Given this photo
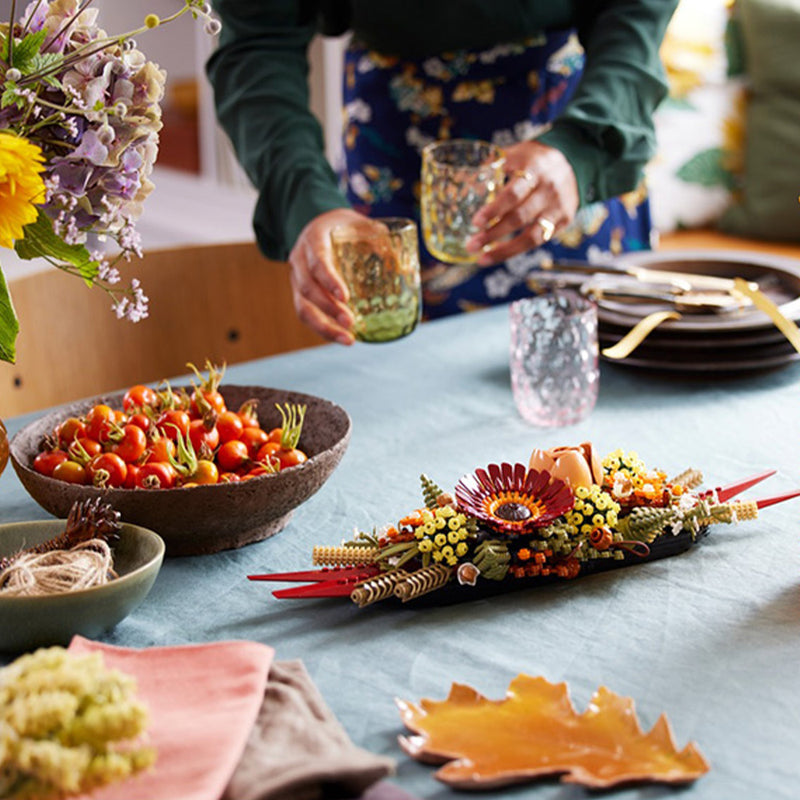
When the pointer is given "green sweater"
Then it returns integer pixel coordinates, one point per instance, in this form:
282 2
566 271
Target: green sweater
259 74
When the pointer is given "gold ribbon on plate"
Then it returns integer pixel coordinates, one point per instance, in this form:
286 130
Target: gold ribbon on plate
638 333
763 303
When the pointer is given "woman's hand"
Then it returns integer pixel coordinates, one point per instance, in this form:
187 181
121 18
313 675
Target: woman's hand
320 294
539 199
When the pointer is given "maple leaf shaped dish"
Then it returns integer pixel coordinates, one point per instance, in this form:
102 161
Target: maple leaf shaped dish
535 732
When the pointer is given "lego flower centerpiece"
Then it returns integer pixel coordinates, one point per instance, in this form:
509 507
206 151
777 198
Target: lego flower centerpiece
79 123
565 514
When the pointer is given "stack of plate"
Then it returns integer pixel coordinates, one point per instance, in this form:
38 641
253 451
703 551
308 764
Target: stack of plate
729 341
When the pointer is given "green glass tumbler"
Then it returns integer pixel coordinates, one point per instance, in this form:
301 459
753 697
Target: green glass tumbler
379 261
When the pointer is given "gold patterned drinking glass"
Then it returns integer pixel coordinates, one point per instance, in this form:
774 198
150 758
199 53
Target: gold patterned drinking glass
379 261
459 176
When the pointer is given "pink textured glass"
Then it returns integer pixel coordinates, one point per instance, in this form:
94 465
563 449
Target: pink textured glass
554 357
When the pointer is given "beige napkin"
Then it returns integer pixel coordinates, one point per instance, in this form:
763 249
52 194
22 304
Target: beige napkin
297 749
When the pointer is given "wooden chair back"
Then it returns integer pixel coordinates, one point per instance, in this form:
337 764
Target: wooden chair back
219 302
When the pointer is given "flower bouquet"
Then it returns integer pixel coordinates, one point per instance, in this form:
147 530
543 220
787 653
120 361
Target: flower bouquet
511 526
79 122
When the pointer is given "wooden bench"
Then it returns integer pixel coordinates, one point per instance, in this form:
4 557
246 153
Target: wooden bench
714 240
221 302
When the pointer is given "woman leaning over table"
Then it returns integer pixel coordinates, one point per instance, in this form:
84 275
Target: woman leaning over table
566 87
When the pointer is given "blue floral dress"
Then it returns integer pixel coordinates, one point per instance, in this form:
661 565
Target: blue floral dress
394 107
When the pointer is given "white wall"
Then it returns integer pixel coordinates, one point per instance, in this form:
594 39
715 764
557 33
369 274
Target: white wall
171 47
181 49
184 208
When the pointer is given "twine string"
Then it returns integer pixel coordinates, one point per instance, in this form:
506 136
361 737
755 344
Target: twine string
87 564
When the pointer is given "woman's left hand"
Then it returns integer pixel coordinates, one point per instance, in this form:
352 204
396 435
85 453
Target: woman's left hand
540 198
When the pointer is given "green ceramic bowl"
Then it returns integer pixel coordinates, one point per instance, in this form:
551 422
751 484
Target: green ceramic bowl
30 622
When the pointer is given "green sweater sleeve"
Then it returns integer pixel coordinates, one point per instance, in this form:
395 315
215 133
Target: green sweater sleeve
606 131
259 74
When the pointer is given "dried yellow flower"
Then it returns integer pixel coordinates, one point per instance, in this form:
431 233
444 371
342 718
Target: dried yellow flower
68 725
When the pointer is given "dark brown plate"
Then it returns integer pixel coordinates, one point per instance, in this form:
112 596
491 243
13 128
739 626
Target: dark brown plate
683 361
203 519
713 340
719 352
777 277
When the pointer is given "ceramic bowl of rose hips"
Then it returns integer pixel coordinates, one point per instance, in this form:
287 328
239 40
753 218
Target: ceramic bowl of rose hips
208 467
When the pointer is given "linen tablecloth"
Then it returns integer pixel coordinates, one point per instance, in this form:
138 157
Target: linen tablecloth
711 637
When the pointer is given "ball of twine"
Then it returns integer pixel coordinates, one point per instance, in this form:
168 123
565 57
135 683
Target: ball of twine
32 574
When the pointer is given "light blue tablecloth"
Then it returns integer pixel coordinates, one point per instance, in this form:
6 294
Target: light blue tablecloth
711 637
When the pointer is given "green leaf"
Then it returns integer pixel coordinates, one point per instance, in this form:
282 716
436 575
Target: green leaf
9 97
9 325
45 62
26 49
735 51
707 168
41 240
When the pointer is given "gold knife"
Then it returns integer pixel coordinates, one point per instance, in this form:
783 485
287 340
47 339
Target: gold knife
685 281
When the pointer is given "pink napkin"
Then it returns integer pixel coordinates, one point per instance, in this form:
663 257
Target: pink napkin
203 701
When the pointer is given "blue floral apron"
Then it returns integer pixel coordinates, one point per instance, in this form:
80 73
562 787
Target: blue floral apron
394 107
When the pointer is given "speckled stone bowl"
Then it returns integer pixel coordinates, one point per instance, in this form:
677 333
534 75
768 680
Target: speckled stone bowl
30 622
203 519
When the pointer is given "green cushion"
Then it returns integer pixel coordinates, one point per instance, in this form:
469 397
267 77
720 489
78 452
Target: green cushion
768 207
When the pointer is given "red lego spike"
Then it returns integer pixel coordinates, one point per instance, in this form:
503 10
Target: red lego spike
324 589
324 574
725 493
771 501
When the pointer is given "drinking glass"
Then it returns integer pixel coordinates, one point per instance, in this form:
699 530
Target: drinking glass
379 261
554 357
459 176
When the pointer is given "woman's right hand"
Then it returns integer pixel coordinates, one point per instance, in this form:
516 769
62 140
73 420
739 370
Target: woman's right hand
320 294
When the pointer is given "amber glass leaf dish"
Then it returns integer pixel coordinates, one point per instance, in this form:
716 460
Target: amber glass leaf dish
535 732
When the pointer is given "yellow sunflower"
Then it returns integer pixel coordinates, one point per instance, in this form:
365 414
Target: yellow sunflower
21 185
